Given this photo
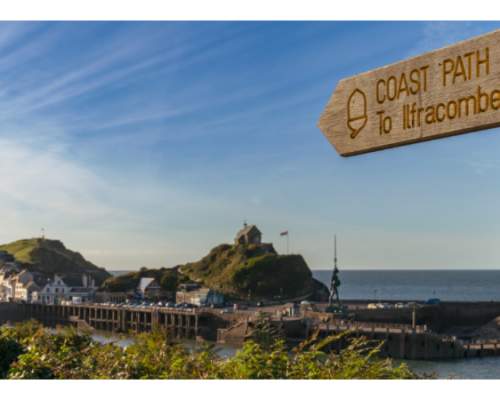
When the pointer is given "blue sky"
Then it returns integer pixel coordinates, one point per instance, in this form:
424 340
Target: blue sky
150 143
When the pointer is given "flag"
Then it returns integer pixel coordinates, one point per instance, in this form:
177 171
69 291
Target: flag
284 233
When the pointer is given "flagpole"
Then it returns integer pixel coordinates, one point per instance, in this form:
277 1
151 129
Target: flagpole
287 234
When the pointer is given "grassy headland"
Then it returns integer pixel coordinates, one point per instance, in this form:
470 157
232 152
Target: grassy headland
48 257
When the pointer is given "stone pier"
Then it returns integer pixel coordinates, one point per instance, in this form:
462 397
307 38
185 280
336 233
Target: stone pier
178 322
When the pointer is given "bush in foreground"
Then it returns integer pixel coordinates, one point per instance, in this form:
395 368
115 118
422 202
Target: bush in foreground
28 351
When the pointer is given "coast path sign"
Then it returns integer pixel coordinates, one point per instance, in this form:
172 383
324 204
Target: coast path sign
441 93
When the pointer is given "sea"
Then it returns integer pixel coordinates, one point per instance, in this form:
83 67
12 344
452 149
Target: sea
451 285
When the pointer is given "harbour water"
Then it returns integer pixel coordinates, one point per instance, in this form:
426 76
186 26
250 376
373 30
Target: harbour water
225 350
453 285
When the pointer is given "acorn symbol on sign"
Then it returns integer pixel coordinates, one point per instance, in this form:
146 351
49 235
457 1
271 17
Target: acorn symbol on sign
356 112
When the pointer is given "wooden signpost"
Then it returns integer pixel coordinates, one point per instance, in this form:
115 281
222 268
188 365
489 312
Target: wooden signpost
441 93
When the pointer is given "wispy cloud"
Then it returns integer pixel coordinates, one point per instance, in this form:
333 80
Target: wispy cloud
147 143
437 34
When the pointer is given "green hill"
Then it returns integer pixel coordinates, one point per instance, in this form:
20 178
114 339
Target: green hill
48 257
255 272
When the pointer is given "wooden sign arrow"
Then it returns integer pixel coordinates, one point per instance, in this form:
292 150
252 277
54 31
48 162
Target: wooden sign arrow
441 93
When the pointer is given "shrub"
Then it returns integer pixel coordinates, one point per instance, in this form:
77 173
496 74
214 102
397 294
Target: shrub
30 352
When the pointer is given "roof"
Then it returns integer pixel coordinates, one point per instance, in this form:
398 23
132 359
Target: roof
187 287
246 230
32 286
72 280
144 283
40 279
24 273
81 290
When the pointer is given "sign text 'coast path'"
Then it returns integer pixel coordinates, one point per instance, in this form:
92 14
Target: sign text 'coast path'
442 93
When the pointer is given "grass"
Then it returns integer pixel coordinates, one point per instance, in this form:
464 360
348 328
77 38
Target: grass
254 271
22 250
49 257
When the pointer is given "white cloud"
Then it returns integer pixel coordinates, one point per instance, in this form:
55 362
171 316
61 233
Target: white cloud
41 179
115 221
437 34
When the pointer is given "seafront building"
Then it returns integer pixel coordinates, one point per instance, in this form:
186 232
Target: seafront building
79 289
199 296
148 288
18 285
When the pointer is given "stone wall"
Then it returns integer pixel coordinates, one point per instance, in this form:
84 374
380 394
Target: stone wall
11 312
437 317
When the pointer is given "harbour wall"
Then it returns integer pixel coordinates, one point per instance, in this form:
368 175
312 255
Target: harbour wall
11 312
438 317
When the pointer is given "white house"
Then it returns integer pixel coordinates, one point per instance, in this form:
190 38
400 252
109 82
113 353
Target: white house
17 286
149 288
54 291
5 286
5 292
27 292
73 289
19 283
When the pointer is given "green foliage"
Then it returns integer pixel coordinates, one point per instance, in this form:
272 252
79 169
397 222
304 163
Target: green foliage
168 278
122 283
265 333
10 350
238 271
50 257
28 351
253 271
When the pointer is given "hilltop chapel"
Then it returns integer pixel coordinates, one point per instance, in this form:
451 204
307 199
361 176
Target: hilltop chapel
249 234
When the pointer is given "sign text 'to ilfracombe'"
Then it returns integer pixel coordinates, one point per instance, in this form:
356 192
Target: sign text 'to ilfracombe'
442 93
